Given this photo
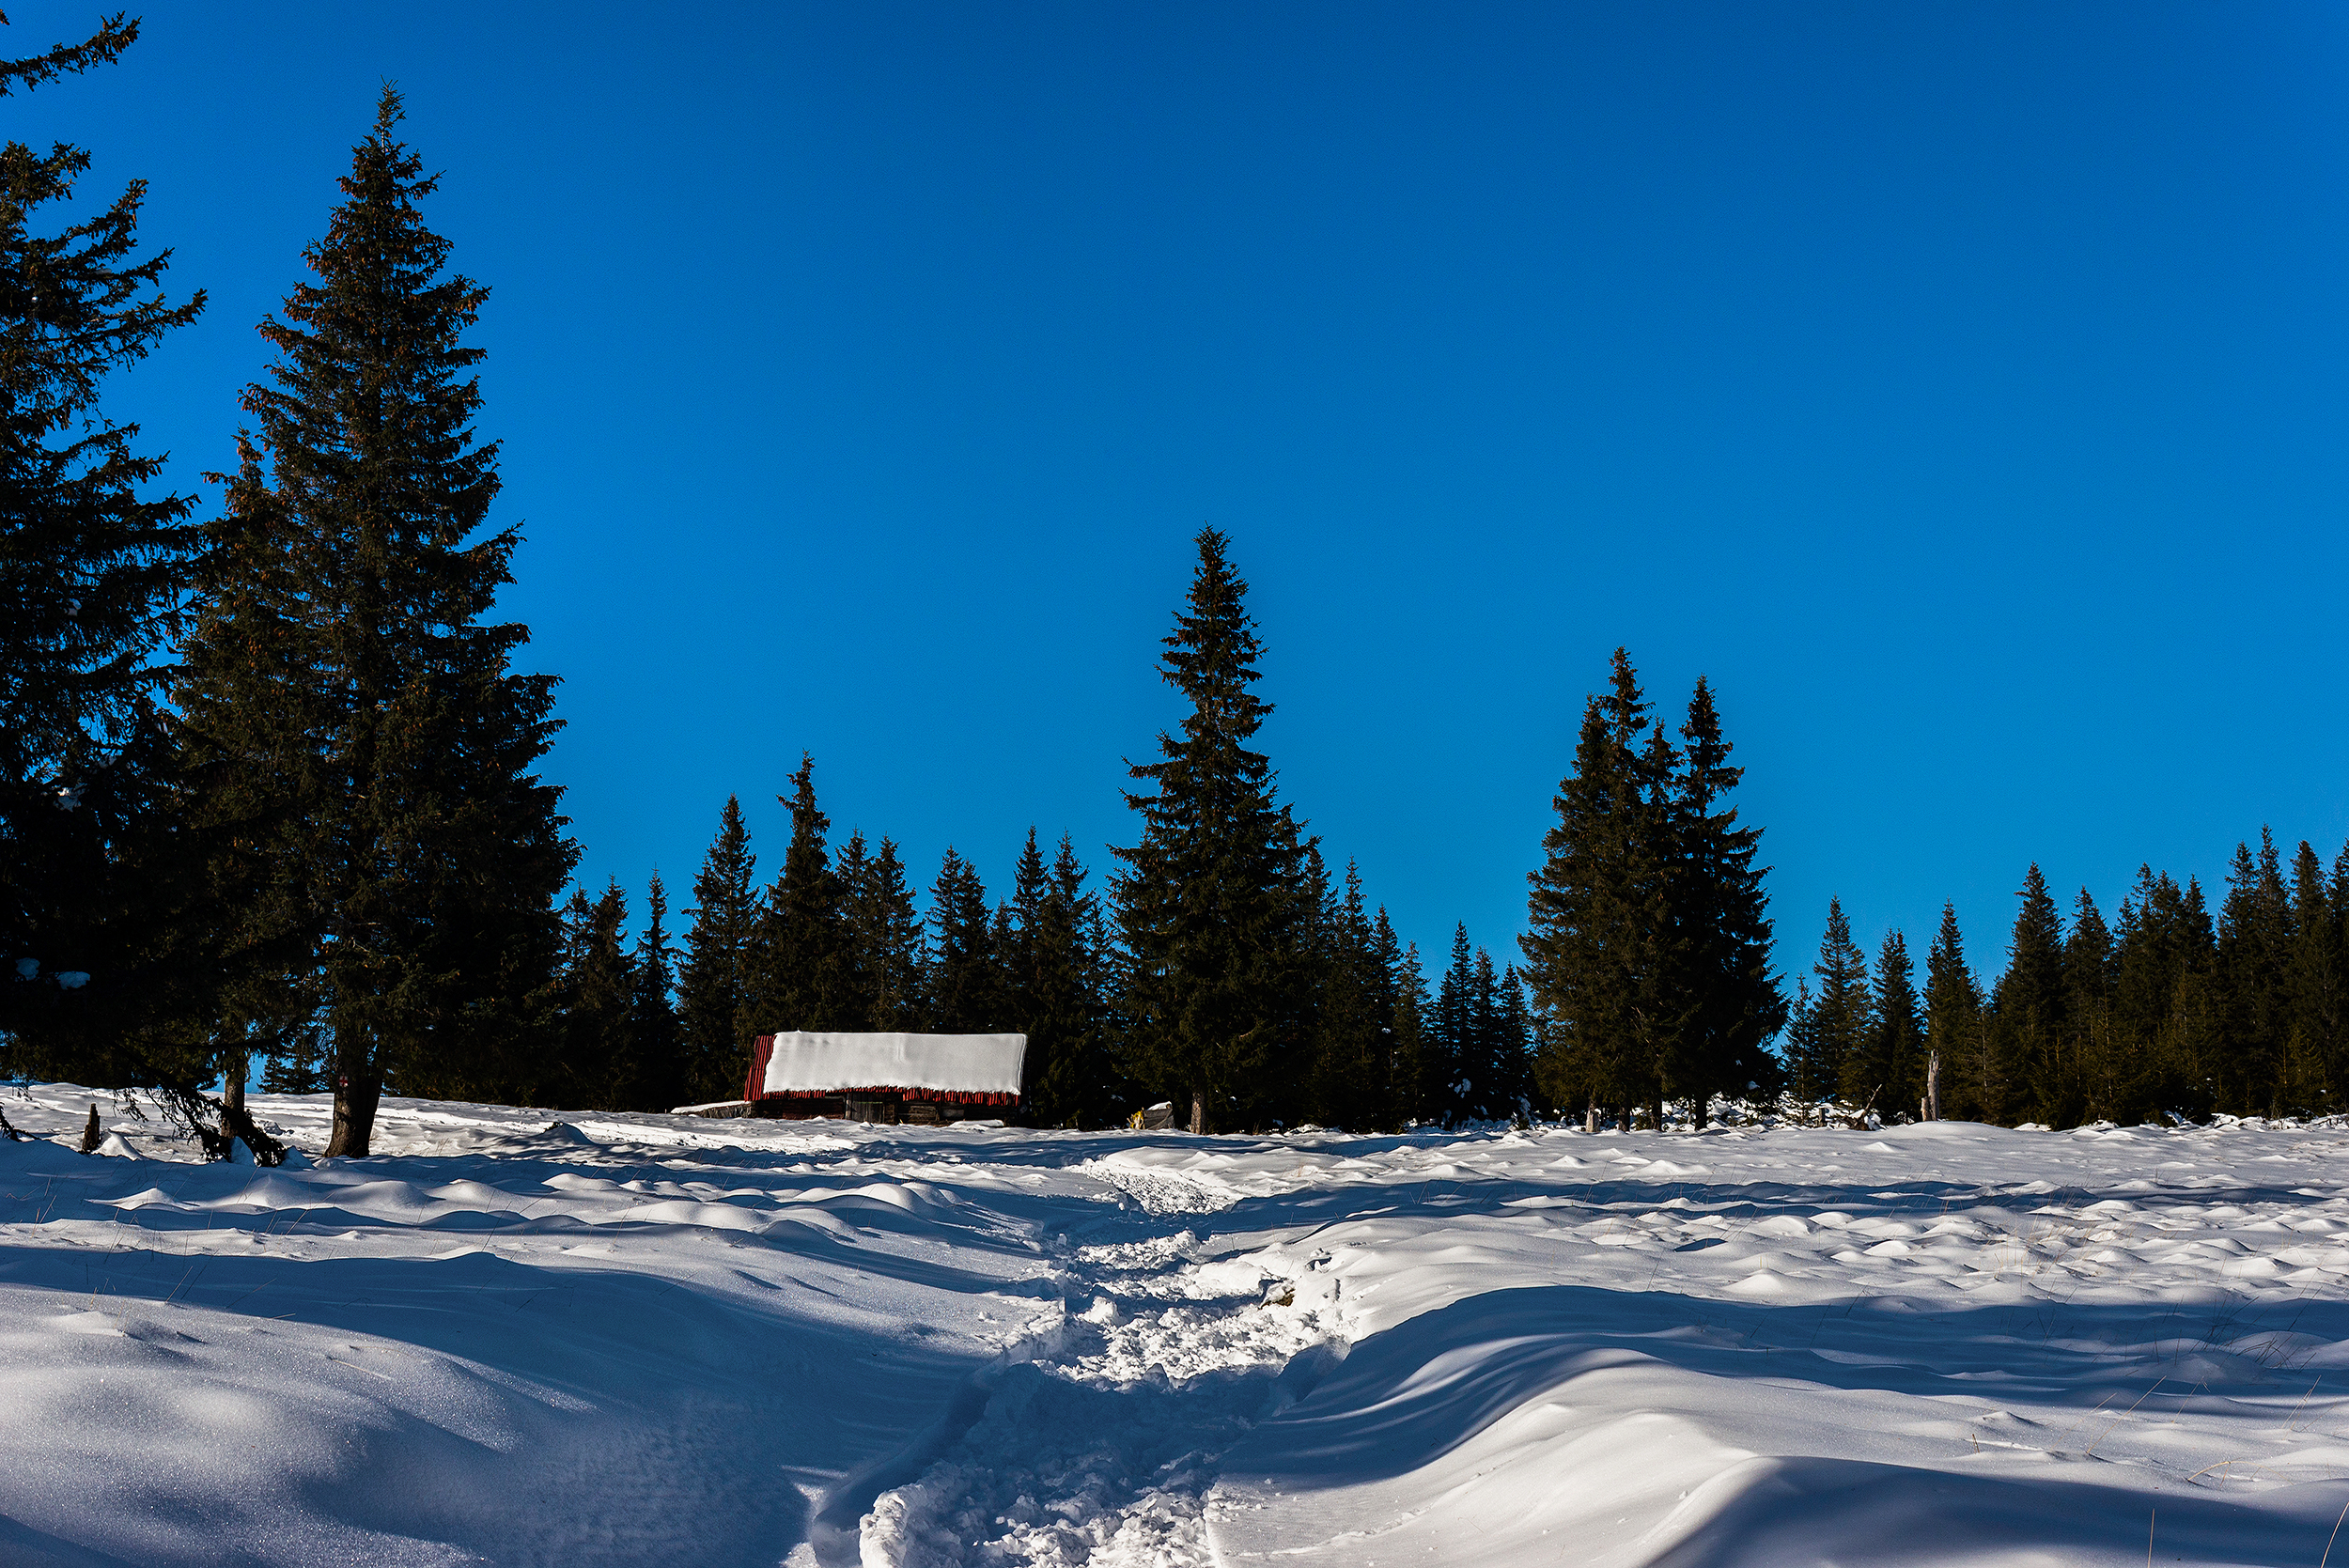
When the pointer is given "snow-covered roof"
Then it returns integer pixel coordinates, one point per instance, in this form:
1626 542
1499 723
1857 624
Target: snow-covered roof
957 1064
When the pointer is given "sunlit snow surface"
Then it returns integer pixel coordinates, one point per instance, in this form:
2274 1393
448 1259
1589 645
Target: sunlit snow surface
531 1336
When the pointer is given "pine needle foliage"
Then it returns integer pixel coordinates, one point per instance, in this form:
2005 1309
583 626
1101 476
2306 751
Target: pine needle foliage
106 972
1648 953
1212 900
352 667
713 988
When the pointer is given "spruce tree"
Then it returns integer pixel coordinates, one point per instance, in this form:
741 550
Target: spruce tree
1016 923
1409 1076
1295 1097
1451 1032
1487 1070
853 869
2198 1023
2166 1014
1109 1095
421 852
2318 982
1513 1052
885 936
2135 999
968 993
2253 960
659 1040
1807 1069
797 974
1896 1052
1605 965
2028 1004
1353 1023
105 932
2088 1082
1844 1015
597 1071
1055 991
1211 902
1722 914
1958 1075
713 990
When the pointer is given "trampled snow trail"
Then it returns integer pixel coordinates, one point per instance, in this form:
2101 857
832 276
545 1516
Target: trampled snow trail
1103 1449
522 1337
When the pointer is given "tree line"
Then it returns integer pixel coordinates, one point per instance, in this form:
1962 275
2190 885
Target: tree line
2163 1009
1226 965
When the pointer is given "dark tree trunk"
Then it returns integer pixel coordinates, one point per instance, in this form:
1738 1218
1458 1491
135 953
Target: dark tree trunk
232 1092
357 1088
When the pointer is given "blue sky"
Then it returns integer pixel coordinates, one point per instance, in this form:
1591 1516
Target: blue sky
1961 387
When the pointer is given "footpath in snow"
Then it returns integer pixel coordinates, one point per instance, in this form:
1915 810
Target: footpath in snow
531 1336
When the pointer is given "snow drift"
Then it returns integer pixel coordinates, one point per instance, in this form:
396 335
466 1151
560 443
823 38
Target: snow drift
514 1338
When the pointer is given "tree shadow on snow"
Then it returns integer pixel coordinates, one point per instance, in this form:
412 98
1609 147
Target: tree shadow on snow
1406 1397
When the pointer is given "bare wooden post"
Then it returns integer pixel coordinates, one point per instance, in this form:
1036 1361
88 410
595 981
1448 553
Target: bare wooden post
1933 1086
1199 1110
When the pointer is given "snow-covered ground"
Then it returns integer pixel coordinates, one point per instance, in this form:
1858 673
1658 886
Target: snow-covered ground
520 1337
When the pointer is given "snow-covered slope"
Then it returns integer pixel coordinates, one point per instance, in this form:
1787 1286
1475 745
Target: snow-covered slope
520 1337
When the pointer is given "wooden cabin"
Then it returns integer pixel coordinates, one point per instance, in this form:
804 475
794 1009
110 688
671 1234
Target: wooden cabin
921 1079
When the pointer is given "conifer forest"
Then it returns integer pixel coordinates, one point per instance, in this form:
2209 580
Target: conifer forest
273 807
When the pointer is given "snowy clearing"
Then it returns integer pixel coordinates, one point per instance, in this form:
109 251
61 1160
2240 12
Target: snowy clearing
520 1337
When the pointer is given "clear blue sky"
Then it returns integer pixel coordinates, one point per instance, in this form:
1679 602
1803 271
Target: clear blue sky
1961 386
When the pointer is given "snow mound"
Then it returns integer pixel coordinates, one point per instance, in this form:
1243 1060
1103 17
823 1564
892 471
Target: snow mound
651 1340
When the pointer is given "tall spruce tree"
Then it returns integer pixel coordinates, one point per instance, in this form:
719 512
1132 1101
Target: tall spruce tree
422 854
1604 964
106 961
659 1039
1722 915
1211 901
798 975
714 991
